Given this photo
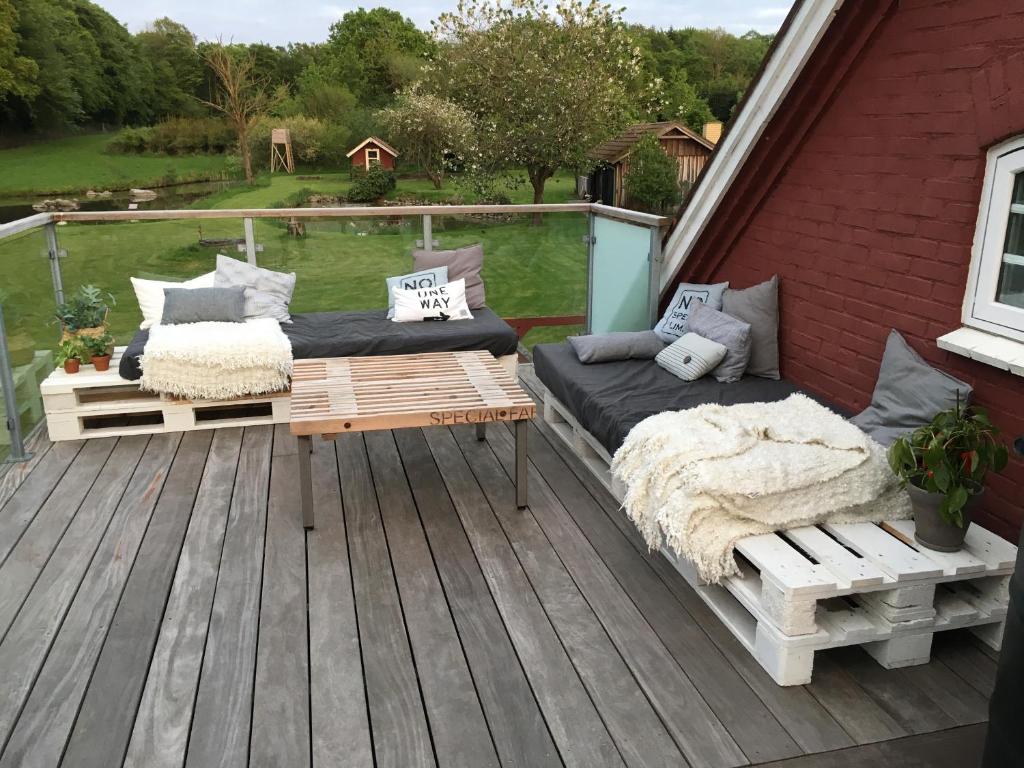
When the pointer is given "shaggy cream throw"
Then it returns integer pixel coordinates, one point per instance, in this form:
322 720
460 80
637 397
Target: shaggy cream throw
701 479
217 361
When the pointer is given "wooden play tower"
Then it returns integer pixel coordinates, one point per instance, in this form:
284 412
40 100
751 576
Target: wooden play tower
281 138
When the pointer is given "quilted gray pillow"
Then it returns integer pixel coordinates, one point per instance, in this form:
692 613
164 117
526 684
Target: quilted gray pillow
759 306
733 334
267 293
198 305
908 394
623 345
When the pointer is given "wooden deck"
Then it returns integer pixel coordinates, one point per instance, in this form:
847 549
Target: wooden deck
160 605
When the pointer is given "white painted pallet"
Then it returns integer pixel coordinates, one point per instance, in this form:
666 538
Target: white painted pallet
826 586
94 403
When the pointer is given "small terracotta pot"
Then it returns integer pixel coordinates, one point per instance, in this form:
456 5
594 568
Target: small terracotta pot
101 362
72 365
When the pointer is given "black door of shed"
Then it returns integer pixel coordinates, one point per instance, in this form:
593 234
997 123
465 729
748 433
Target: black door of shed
602 185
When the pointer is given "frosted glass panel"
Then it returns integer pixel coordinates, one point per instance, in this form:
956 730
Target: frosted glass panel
620 277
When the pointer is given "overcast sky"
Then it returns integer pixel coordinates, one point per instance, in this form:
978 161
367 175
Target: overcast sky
280 21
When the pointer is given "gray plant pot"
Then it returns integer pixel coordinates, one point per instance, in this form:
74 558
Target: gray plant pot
930 528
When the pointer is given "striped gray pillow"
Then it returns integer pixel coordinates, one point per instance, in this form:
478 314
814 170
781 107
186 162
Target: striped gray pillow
691 356
267 293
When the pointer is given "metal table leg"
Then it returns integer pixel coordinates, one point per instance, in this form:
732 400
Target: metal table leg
521 463
306 479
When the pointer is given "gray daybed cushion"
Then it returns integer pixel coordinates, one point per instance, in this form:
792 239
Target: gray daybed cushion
198 305
758 305
908 394
350 334
610 399
621 345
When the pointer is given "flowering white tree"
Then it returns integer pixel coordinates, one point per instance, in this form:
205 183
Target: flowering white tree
429 130
545 85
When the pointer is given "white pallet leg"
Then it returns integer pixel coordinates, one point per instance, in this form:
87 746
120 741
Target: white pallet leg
990 634
791 617
904 604
786 665
551 413
903 651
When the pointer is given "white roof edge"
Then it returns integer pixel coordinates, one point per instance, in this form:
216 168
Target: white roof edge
787 61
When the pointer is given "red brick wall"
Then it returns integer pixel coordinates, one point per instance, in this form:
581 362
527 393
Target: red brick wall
870 221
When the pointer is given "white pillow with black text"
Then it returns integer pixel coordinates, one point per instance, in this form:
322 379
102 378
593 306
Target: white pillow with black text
442 302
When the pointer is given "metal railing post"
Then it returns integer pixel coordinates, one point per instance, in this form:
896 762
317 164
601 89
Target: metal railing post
428 233
591 240
250 241
656 259
11 415
53 253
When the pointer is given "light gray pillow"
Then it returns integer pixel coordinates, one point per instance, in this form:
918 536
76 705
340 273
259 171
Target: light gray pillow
464 263
427 278
673 324
759 306
733 334
908 394
609 347
691 356
267 293
198 305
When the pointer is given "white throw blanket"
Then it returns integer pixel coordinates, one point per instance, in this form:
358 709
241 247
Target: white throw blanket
217 361
701 479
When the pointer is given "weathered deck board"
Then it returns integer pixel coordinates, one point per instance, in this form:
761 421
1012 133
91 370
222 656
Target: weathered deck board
223 709
49 714
400 734
12 476
457 722
515 719
840 694
160 731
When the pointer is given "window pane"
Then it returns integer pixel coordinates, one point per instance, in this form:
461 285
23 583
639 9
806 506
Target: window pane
1011 273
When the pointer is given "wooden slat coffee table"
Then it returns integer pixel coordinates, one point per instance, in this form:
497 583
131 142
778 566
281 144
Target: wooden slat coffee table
333 396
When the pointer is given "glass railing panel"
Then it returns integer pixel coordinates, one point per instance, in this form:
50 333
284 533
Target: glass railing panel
620 280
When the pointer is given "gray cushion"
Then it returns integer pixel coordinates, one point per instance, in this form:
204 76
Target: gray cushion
759 306
267 293
197 305
733 334
673 324
427 278
624 345
908 393
691 357
464 263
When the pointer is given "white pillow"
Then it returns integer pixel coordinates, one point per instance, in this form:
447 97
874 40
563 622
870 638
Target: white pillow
425 278
443 302
150 295
691 356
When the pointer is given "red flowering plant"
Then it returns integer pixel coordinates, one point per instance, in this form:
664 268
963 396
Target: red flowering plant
950 456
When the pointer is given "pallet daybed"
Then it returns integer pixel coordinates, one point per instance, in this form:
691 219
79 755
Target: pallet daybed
802 590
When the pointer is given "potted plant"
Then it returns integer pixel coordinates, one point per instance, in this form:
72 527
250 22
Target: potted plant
85 314
69 354
98 348
943 466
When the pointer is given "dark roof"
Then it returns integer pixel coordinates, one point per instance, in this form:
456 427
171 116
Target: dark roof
615 149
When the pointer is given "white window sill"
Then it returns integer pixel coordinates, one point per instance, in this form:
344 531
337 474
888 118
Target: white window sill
1005 354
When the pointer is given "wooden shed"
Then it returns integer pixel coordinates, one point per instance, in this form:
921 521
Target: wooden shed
373 151
689 148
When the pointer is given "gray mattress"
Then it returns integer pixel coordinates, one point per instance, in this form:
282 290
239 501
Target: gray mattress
609 399
354 334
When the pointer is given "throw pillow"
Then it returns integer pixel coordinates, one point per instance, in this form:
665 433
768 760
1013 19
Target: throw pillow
908 393
733 334
427 278
609 347
759 306
673 324
442 302
198 305
150 295
464 263
267 293
691 356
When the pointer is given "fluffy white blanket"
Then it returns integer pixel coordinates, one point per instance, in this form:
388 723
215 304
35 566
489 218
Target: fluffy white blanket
217 361
703 478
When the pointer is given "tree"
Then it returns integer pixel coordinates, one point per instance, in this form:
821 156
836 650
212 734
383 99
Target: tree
544 86
169 49
429 130
17 73
652 181
682 102
239 93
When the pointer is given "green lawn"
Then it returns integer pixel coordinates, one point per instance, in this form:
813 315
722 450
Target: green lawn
79 163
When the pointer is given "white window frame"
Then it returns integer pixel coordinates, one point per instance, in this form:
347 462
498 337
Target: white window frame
375 158
981 310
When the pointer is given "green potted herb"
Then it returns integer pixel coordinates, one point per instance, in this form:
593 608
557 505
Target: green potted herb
99 348
85 313
943 466
69 354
